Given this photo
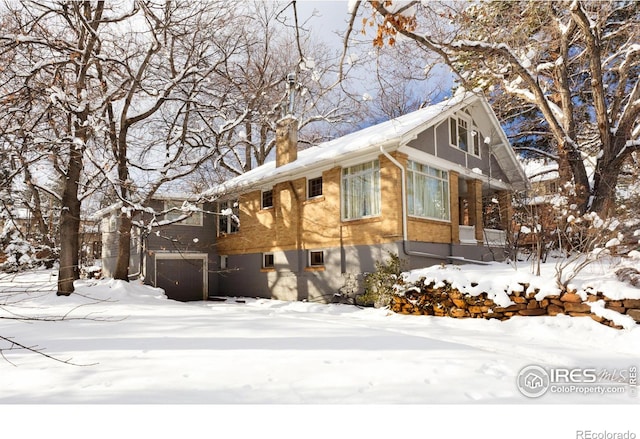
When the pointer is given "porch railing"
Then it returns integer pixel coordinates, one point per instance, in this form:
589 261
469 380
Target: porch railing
495 238
492 237
468 235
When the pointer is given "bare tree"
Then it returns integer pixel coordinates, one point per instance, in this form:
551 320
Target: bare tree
278 43
54 45
576 62
145 94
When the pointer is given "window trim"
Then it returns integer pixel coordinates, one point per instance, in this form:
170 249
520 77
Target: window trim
411 175
376 193
224 262
476 139
264 193
112 223
309 180
463 123
454 140
310 262
264 264
235 208
453 126
198 215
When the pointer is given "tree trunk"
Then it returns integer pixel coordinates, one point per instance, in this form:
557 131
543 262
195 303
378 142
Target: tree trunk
124 248
70 226
604 188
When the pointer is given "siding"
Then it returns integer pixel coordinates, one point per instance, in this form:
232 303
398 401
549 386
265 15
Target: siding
291 279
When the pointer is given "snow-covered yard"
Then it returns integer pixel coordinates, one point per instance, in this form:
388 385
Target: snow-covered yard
132 345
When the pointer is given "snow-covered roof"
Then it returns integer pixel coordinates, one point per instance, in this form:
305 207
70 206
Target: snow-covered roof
164 196
389 135
540 170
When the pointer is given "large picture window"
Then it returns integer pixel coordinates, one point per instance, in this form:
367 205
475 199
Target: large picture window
361 190
428 192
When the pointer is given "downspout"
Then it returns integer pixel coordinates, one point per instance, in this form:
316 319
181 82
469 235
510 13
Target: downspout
405 233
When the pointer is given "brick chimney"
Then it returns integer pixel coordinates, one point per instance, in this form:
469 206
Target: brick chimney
286 140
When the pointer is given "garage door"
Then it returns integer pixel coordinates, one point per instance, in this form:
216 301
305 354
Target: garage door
182 278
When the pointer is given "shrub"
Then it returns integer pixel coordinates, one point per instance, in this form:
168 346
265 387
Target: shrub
18 253
380 285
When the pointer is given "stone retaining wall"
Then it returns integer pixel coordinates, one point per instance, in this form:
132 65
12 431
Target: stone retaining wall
448 301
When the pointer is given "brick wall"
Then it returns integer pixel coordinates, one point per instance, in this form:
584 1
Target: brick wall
297 222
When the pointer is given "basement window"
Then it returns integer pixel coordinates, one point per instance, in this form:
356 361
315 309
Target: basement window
316 258
268 260
224 262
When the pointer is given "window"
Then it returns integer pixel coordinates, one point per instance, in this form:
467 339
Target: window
476 143
97 249
460 136
316 258
267 199
228 219
224 262
428 192
267 260
453 131
176 209
111 223
361 190
314 187
463 135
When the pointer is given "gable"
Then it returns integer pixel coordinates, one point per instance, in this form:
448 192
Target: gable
436 141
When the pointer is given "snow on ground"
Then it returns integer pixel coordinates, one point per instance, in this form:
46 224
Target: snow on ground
133 346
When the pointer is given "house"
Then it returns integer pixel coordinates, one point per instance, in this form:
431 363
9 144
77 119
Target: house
544 180
423 186
174 251
433 186
535 215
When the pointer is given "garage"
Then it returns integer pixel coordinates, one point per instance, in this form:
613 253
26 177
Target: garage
183 276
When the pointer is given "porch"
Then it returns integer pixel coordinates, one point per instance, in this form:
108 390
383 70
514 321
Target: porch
492 237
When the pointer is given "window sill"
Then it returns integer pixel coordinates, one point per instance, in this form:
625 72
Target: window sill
227 235
364 220
315 268
429 220
181 224
267 270
317 199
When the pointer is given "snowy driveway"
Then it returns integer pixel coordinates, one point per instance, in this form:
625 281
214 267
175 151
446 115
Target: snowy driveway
147 349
